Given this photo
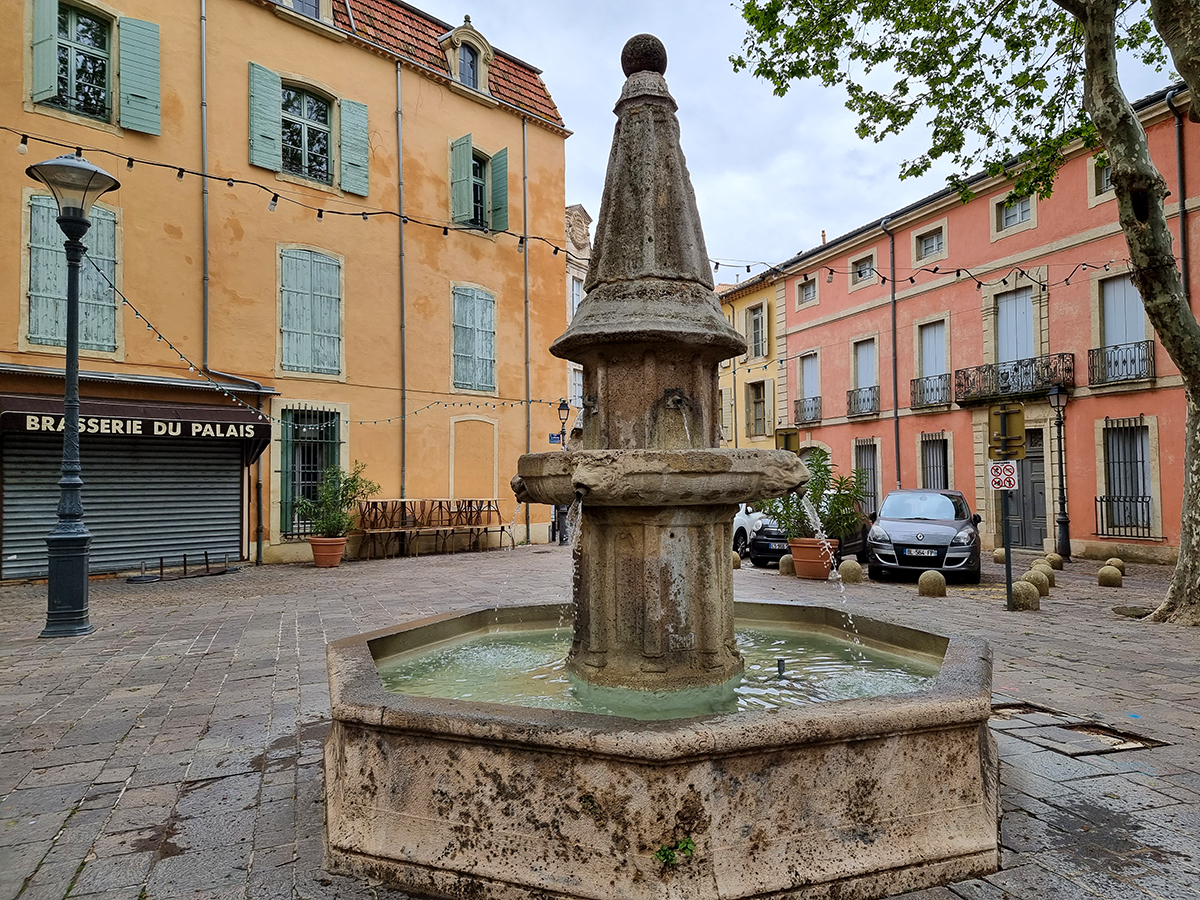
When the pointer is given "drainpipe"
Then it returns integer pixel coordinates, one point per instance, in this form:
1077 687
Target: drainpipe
350 13
1179 158
403 333
258 501
895 383
525 242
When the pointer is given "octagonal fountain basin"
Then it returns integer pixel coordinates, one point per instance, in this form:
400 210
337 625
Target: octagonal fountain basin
783 797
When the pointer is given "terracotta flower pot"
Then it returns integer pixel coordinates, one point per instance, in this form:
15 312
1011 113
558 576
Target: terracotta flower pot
327 551
811 561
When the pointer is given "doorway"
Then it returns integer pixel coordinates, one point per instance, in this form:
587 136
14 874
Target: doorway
1027 505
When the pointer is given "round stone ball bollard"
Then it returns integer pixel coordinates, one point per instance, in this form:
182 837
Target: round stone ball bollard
998 556
1109 576
931 584
735 558
1045 569
1026 596
1039 581
851 572
1117 563
1056 561
787 565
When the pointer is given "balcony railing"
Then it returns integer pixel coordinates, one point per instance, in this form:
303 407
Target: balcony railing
863 401
1016 378
932 390
808 409
1121 362
1124 517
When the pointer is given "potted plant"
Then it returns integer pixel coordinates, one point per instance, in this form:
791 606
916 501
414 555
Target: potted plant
836 500
331 514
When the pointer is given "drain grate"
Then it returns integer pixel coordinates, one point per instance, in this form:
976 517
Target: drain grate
1063 732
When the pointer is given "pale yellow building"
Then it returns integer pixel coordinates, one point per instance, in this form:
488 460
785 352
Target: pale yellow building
753 393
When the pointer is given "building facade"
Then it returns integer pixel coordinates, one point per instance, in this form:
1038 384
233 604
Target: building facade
358 280
750 387
901 335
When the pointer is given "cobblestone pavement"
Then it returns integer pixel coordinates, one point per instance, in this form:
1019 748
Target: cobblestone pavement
176 752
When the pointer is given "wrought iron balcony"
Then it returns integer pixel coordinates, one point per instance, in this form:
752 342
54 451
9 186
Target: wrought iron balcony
808 409
1016 378
1121 362
1124 517
863 401
932 390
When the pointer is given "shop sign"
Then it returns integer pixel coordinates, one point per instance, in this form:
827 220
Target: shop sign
31 423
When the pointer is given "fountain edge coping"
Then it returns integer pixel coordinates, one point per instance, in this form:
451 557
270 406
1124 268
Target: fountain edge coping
961 695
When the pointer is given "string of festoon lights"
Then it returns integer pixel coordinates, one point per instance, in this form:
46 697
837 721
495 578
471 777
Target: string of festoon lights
281 195
231 396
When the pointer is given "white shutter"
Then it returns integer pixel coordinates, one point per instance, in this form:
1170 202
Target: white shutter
933 349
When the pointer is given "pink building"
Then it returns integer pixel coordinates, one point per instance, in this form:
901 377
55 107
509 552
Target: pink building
900 335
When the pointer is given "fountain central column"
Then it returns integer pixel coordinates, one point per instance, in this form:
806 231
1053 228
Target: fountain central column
654 589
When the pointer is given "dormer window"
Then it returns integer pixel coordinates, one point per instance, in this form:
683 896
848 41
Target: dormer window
468 66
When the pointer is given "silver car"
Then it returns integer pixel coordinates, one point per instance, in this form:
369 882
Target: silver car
918 530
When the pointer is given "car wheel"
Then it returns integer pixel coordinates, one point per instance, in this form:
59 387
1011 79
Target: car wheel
759 562
739 543
875 573
862 555
972 577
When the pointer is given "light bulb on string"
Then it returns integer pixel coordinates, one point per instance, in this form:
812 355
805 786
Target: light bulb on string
23 147
274 202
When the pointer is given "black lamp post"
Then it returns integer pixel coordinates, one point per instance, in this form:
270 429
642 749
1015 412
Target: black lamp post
564 413
76 184
1058 402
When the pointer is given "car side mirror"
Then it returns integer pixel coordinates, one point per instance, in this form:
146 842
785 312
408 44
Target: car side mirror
976 519
872 517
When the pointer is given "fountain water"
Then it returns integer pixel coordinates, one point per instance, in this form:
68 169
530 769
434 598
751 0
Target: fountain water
853 798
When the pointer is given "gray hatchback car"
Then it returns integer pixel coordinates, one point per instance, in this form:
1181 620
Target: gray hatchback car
918 530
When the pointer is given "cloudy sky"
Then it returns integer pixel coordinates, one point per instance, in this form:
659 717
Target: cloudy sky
770 173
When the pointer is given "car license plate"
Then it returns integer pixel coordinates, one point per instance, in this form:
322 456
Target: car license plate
920 551
778 545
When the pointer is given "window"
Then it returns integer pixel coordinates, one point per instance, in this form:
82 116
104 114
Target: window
311 312
933 348
73 53
808 407
1015 213
756 412
935 466
310 8
806 292
930 244
864 363
577 387
576 295
866 465
474 339
309 445
756 331
1126 508
298 132
725 399
862 270
306 126
1126 355
1103 179
48 279
468 66
478 186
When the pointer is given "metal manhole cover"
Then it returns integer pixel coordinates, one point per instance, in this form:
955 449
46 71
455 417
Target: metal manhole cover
1063 732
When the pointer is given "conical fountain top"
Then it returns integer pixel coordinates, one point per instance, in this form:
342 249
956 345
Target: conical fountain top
649 280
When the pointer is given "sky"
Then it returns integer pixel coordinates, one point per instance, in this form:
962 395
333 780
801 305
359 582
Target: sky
770 173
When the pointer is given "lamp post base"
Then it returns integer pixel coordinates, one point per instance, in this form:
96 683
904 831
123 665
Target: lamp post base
67 601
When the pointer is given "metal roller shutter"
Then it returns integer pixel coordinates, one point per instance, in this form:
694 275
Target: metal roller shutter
142 500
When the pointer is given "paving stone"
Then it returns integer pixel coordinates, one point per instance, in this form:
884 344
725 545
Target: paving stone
113 872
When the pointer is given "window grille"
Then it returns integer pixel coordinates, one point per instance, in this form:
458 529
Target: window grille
866 459
310 445
1125 510
935 460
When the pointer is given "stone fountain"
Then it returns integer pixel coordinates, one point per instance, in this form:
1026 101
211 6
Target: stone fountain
858 798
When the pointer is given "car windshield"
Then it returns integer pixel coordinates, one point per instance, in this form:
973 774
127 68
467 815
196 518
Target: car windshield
918 505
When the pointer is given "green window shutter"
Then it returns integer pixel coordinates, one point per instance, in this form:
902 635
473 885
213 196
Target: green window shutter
45 49
47 274
355 148
460 180
747 410
296 325
266 113
500 191
485 341
326 315
139 76
769 405
97 298
464 338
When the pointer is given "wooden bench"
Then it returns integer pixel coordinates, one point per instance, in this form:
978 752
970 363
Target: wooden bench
396 527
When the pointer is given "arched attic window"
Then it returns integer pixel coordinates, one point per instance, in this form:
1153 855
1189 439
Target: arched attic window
468 56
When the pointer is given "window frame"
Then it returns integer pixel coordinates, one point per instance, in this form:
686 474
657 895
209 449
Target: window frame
801 286
1096 190
1000 204
857 281
73 46
278 406
332 161
756 321
281 371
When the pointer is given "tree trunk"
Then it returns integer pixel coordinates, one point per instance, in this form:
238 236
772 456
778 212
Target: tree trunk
1141 193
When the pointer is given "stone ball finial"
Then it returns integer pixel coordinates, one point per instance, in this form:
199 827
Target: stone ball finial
644 53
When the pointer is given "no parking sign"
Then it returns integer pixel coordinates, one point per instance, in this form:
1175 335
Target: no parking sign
1002 474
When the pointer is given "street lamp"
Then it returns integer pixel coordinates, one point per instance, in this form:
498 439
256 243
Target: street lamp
564 413
1058 402
76 184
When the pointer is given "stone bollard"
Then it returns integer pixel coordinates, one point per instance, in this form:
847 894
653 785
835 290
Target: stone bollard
1045 569
998 555
1109 576
1056 561
787 566
851 571
1039 581
1117 563
1026 596
736 558
931 584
